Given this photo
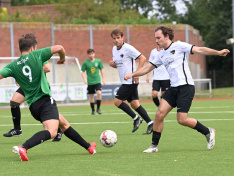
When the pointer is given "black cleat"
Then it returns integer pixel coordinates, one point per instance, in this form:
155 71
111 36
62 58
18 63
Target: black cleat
149 129
99 111
59 136
13 132
93 113
136 124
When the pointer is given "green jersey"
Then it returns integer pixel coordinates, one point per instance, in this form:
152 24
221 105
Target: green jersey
92 70
29 74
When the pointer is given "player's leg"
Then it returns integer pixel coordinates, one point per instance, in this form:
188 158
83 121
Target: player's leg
91 91
98 88
135 104
183 105
59 134
161 113
15 102
122 94
74 135
155 90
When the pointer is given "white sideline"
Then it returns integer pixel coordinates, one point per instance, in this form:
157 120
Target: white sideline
96 123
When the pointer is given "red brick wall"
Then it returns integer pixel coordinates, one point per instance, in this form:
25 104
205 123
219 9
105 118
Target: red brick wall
76 39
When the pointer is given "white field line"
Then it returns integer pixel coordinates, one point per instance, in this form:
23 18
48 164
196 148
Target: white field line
96 123
66 114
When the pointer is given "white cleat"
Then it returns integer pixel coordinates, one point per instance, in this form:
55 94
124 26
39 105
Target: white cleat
151 149
210 138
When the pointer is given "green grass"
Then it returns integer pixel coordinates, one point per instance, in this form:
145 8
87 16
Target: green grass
182 151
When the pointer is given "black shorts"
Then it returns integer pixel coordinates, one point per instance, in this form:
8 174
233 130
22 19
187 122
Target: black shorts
163 84
44 109
91 89
181 96
20 91
127 92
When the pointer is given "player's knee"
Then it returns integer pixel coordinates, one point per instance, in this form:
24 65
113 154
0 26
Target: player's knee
53 133
14 104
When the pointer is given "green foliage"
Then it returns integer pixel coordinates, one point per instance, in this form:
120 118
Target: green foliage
214 21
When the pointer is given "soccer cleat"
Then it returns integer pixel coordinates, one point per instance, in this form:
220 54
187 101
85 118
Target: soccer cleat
22 152
99 111
92 147
136 124
149 129
59 136
93 113
13 132
210 138
151 149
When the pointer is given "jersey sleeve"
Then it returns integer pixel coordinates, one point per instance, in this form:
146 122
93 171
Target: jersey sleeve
133 52
186 47
6 71
42 54
100 65
46 62
84 67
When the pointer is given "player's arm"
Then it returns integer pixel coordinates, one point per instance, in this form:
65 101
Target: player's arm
46 68
148 77
103 77
58 49
209 51
1 76
142 60
140 72
112 64
83 76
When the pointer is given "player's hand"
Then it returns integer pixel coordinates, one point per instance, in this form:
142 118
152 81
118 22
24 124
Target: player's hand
85 81
112 64
224 52
147 80
61 61
104 82
126 77
136 79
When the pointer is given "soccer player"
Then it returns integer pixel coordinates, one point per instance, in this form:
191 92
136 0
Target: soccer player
28 72
124 56
161 78
15 102
92 66
182 89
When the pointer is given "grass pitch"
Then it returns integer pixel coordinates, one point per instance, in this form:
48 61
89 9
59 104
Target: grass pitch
182 151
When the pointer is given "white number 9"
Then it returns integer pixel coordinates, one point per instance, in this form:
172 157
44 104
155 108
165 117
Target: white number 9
28 72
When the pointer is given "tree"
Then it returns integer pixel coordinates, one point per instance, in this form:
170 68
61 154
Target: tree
213 20
140 6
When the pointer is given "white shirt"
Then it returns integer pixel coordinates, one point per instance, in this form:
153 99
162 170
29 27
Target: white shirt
175 61
159 73
124 59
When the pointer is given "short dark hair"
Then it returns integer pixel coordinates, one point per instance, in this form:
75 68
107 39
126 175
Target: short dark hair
116 32
90 50
166 30
27 41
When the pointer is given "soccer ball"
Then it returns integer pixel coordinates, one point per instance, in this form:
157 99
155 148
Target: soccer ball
108 138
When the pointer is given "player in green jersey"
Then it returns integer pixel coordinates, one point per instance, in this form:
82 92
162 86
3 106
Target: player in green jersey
92 67
29 74
17 99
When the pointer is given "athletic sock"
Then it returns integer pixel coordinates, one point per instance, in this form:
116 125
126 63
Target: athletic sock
156 137
98 104
59 130
127 109
16 117
142 112
36 139
156 101
201 128
92 106
74 136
